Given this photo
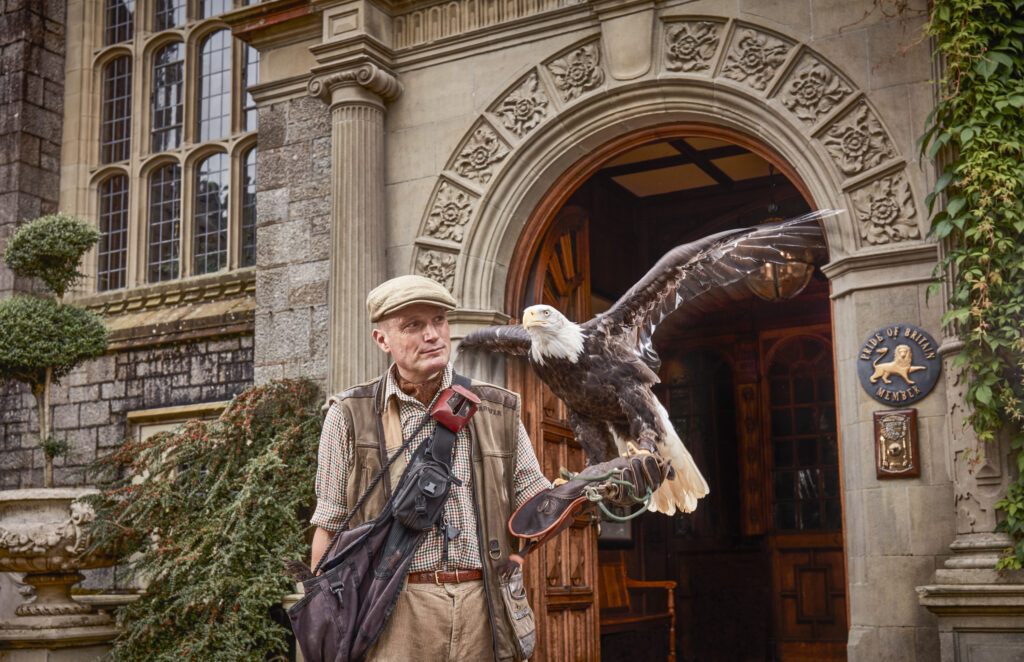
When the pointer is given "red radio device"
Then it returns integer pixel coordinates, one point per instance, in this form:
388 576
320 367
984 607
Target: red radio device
455 406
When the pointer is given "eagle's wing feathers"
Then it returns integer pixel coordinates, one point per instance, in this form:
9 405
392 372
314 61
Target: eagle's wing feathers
688 271
508 339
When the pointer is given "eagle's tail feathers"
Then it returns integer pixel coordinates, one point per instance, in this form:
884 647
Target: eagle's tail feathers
688 485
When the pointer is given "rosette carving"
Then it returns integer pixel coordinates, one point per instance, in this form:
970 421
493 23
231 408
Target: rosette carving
525 108
479 155
813 90
885 211
577 71
690 46
437 266
380 81
858 142
450 213
755 58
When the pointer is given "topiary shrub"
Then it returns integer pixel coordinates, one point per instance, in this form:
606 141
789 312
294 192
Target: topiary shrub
207 514
43 339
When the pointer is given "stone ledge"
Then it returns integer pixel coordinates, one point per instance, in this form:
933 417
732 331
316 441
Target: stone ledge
968 599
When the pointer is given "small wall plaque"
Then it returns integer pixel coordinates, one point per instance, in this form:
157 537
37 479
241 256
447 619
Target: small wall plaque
898 364
896 453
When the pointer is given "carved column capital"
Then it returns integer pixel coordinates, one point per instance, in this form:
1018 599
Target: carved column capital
374 79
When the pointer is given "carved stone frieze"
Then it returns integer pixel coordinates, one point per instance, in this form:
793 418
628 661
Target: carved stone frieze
690 46
577 71
438 266
61 538
813 90
525 107
754 58
376 79
480 154
450 212
857 141
885 211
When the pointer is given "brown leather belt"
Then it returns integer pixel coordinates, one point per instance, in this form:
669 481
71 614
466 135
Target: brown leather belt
445 576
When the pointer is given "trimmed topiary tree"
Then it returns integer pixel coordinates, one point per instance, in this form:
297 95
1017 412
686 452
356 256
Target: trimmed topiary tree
42 338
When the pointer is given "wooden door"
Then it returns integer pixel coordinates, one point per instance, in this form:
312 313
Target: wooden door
562 574
809 578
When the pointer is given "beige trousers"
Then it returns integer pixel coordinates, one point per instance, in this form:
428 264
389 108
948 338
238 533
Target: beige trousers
434 622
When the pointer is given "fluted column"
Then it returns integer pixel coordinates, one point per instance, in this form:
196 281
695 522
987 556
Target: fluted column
357 98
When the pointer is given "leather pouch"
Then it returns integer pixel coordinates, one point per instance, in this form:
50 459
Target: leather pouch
421 494
519 613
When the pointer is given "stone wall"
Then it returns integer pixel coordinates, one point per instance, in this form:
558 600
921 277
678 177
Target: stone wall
293 255
31 112
91 403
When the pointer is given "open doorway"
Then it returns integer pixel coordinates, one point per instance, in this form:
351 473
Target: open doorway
748 382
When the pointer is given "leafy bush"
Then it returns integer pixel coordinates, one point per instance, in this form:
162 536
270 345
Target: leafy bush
50 248
976 129
219 508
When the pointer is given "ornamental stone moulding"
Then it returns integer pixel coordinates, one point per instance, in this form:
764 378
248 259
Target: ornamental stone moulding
690 46
754 58
525 107
480 155
857 141
449 213
375 79
438 266
813 90
577 71
885 211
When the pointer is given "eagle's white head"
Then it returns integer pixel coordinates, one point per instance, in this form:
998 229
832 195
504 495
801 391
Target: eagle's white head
552 334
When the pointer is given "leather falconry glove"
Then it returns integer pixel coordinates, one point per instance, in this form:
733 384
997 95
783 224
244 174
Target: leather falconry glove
621 481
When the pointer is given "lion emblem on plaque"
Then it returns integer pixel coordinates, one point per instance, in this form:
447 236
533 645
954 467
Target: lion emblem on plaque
898 364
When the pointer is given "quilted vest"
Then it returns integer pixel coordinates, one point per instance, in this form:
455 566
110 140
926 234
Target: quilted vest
493 431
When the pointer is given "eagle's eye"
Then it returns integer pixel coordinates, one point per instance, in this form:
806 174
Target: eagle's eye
547 313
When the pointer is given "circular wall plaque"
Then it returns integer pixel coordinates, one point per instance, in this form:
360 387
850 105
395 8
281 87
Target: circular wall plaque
898 364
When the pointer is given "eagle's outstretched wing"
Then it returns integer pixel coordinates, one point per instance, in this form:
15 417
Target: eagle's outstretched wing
688 271
508 339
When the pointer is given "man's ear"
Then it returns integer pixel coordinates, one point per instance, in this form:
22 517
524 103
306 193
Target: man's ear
381 339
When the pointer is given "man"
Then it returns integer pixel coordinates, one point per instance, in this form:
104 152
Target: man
450 608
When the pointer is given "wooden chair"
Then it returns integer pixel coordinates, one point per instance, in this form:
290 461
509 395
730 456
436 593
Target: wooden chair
617 613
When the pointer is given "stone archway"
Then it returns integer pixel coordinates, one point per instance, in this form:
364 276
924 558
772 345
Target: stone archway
559 118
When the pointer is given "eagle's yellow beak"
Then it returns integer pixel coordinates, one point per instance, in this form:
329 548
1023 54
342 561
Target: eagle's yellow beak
531 318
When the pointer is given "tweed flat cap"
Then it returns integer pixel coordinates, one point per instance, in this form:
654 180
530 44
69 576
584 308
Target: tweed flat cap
397 293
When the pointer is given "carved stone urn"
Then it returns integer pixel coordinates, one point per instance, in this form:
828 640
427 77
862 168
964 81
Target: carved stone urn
42 535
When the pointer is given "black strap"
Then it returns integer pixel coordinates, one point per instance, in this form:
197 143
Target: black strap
440 446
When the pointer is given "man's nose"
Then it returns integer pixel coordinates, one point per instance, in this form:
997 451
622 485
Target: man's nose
430 332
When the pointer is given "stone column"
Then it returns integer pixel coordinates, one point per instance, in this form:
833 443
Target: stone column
357 98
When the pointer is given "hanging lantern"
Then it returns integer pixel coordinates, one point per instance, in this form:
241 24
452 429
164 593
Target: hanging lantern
776 282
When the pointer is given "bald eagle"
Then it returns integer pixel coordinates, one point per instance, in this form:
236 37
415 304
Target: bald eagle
604 368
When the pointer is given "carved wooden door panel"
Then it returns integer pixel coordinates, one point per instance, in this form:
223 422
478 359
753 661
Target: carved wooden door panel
562 574
808 570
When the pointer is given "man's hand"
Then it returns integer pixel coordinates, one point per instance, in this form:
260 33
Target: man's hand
640 470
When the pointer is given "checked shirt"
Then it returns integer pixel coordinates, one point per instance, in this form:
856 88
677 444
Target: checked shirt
335 466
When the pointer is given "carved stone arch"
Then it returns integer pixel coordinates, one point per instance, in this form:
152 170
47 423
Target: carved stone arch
764 90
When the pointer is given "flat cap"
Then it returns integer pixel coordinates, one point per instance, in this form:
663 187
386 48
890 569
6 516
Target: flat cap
397 293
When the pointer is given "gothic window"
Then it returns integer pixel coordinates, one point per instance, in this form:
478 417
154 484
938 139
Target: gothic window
164 223
249 210
193 210
113 247
210 215
805 455
168 14
168 93
119 24
115 131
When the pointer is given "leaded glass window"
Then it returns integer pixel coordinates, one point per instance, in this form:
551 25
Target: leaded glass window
250 76
112 252
119 24
167 99
164 223
168 14
116 126
214 7
215 86
210 215
249 210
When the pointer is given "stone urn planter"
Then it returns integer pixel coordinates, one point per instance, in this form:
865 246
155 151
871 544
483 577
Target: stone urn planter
42 535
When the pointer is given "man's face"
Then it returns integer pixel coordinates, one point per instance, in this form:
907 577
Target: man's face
418 339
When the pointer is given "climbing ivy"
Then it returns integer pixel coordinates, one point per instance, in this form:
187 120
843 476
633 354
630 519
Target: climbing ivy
976 130
207 515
